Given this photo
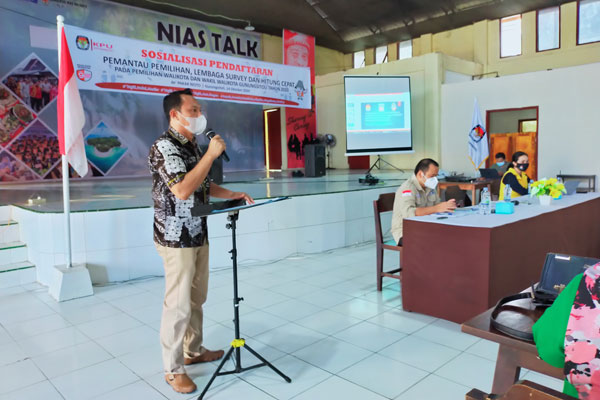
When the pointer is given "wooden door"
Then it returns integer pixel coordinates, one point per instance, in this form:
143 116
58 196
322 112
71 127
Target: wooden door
527 142
509 143
500 143
272 138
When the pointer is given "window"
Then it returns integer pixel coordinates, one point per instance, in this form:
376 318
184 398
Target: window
528 125
381 55
510 36
588 21
548 29
405 50
359 59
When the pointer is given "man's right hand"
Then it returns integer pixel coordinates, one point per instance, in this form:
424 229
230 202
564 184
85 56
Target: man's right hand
216 146
447 206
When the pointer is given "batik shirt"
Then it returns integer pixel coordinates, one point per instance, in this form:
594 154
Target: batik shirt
171 157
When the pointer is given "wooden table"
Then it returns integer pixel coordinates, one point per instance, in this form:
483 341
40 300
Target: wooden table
591 181
472 186
456 268
513 353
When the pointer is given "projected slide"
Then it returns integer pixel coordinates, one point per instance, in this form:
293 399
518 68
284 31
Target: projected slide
378 114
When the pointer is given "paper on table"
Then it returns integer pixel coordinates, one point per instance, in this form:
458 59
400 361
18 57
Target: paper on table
459 212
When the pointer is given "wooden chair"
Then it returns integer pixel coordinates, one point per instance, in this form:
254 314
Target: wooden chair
385 203
496 189
522 390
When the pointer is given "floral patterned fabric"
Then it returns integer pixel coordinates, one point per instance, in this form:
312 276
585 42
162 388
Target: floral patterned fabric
582 339
171 157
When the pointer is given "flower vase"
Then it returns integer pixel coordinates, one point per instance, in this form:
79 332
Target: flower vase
545 200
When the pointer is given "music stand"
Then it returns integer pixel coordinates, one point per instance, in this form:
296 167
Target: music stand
233 208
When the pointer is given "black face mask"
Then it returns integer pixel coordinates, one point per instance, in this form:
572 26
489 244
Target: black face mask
523 167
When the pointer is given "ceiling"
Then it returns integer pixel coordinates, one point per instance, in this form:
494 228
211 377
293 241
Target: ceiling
346 25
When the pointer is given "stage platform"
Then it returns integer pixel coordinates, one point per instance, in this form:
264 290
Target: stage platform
118 194
111 221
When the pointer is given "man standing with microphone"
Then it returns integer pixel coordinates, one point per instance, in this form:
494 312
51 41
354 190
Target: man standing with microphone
179 182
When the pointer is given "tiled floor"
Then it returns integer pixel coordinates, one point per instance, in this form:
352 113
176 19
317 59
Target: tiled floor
318 318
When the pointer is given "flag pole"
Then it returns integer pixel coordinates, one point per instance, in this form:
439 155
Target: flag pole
60 23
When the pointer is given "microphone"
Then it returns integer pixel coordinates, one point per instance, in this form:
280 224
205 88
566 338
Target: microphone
211 134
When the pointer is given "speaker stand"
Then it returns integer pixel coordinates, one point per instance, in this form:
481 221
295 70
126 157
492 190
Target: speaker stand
328 159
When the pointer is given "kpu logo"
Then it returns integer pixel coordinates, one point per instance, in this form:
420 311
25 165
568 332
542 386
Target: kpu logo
477 133
83 43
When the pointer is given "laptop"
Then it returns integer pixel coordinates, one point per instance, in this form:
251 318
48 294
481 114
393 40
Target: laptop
571 186
489 173
564 268
457 178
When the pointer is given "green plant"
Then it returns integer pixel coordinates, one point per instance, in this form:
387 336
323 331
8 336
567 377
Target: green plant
547 187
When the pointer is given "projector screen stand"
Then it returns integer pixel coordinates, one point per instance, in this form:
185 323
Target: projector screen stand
370 179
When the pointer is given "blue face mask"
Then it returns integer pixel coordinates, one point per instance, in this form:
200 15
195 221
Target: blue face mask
501 163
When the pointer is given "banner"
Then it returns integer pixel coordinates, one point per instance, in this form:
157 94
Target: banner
120 126
226 41
300 125
107 62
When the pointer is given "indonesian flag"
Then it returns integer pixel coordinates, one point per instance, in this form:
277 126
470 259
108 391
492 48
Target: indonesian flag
70 112
478 140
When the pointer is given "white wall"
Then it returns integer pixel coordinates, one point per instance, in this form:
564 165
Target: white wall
455 77
426 73
508 121
118 245
569 116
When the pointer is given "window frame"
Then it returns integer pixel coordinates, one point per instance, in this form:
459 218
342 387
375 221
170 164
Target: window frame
577 38
537 30
411 49
385 57
500 35
521 121
364 62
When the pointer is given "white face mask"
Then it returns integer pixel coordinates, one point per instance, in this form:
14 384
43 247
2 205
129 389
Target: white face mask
431 183
196 125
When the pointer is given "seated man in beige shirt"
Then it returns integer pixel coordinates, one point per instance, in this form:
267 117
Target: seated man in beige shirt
418 196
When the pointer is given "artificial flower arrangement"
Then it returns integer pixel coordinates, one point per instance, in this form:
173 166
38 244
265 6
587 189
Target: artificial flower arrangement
548 187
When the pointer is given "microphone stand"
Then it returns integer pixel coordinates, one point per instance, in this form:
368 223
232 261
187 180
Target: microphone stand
238 342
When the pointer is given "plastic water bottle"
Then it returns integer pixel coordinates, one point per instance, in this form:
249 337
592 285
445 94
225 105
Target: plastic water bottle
486 200
507 193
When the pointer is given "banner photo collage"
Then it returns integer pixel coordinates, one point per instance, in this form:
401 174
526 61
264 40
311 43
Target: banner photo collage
121 125
30 146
